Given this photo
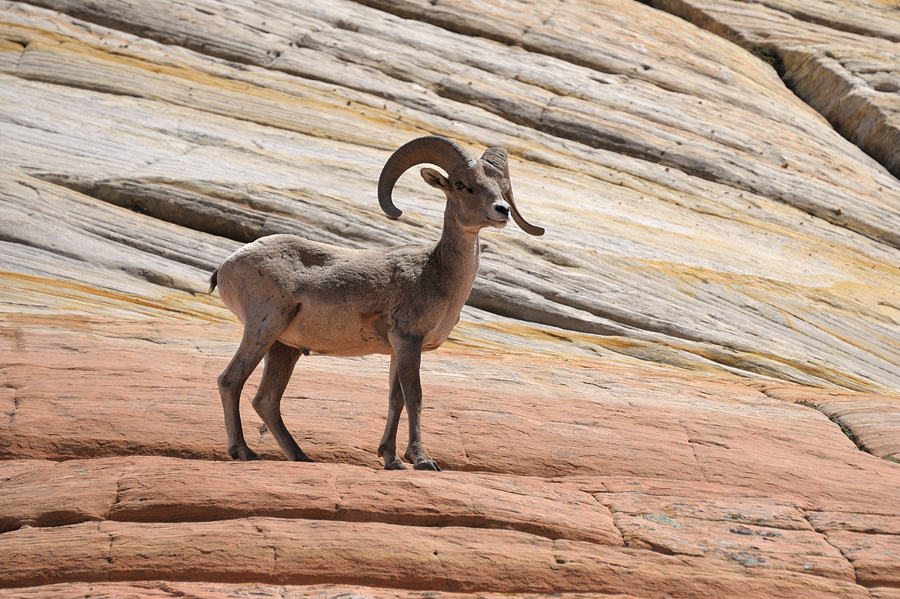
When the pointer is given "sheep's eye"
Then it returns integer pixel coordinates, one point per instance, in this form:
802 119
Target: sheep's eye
459 186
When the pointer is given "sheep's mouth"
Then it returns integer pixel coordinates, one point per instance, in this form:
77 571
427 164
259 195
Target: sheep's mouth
498 222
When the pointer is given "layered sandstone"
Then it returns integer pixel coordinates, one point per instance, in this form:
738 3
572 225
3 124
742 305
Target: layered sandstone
562 476
842 57
687 388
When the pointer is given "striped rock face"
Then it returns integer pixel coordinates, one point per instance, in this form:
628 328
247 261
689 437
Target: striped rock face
688 387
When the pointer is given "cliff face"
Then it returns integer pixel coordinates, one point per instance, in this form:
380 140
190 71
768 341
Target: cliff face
685 388
841 57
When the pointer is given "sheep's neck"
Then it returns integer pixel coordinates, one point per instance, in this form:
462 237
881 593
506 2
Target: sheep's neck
456 255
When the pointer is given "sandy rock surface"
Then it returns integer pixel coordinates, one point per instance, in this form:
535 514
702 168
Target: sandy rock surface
840 56
614 479
689 387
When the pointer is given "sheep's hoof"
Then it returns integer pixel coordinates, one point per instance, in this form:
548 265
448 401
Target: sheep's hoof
394 464
420 460
428 465
391 461
244 454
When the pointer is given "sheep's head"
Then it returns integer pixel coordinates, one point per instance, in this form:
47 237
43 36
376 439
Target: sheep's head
479 191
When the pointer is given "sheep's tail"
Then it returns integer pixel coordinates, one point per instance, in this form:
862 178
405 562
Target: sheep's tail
213 280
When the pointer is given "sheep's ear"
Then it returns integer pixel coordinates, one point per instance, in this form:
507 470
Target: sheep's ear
435 179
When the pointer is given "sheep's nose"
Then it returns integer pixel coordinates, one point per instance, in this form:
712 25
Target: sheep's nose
502 209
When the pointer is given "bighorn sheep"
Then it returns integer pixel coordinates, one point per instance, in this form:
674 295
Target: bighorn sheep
296 296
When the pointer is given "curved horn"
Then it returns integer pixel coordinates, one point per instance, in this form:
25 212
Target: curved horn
496 157
439 151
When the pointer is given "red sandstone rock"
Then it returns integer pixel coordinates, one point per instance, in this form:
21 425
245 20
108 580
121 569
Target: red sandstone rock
874 556
873 420
211 590
733 515
284 551
167 490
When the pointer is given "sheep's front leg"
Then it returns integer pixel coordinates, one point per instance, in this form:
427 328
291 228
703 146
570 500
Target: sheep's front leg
388 446
408 352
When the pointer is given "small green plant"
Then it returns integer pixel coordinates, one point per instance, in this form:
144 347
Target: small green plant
891 458
767 56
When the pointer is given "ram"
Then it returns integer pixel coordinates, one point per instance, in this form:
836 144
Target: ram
296 296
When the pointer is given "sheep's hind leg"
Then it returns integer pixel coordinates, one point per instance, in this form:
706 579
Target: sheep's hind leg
279 365
254 345
388 446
